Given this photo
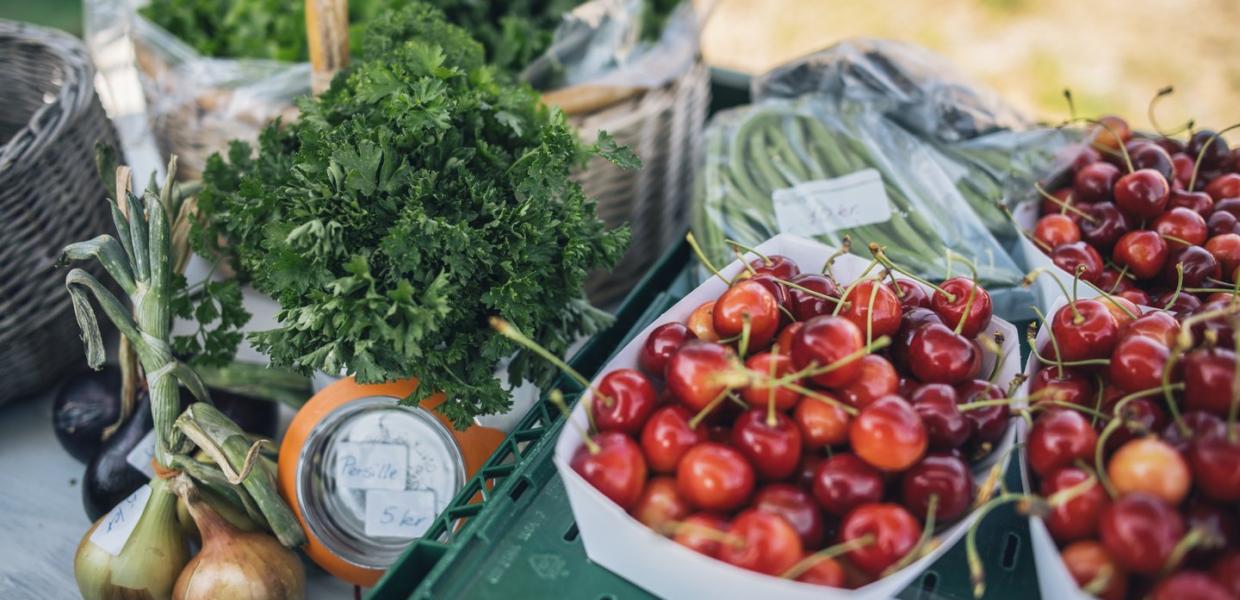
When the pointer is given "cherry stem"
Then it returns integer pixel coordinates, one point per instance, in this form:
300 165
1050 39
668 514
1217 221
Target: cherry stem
977 573
869 315
1064 206
882 257
511 332
923 544
1194 538
1179 286
744 263
1067 95
819 396
743 346
995 347
1098 398
770 389
1041 405
810 561
1201 154
1038 272
1162 93
737 245
968 305
709 408
845 248
816 294
814 371
1119 141
1116 421
1123 272
1000 401
557 398
1109 297
787 313
848 290
702 258
674 527
1100 582
1068 363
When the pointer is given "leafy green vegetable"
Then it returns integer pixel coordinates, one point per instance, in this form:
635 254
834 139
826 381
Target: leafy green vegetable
415 198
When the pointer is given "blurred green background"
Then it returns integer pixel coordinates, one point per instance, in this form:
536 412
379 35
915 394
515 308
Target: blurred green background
61 14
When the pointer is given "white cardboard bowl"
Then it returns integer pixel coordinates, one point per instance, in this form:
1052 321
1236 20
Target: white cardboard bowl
628 548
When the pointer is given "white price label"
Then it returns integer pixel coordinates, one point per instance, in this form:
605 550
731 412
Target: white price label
142 454
403 514
817 207
372 465
113 531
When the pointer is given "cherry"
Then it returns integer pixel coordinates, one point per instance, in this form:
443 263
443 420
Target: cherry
895 534
624 401
878 378
771 442
796 507
1104 227
1198 202
941 475
1071 257
844 482
1142 194
1137 363
1151 156
1094 182
826 571
768 543
806 306
989 422
752 299
884 319
937 354
659 346
1077 518
1085 329
693 373
822 423
1150 466
912 321
1143 252
952 309
1135 296
1220 223
1200 425
1216 464
691 533
888 434
1224 186
1139 531
667 436
1110 132
1226 251
1058 438
776 265
911 295
1072 386
1182 305
777 289
1220 527
1216 325
1056 229
1082 155
1122 309
1209 374
1142 416
1061 197
1158 325
660 504
612 463
701 322
713 476
946 426
1184 224
1216 153
1184 165
767 364
1087 560
1226 571
784 341
1190 584
1197 265
824 340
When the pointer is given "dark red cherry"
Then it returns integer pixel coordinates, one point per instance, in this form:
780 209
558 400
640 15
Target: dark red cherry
1226 570
937 354
1183 224
1072 386
895 533
1153 157
776 265
1062 196
1105 225
1077 518
952 309
796 507
825 340
1209 375
1216 468
1221 223
1058 438
844 482
1226 250
1198 202
1158 325
1220 526
990 422
771 442
1142 416
1142 194
911 295
667 436
1139 531
1190 584
614 467
1199 425
662 342
624 401
1197 264
1182 305
941 475
1216 150
805 305
946 426
1079 256
1094 182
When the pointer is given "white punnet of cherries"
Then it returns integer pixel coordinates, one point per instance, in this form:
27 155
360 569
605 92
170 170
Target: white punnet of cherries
804 427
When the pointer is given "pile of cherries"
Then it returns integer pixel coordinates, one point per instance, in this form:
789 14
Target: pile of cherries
1150 219
804 428
1137 447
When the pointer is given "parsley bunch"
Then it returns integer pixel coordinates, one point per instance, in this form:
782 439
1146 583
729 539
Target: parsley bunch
418 196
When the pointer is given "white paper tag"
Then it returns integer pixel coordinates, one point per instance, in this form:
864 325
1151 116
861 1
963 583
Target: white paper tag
404 514
114 530
371 465
818 207
141 455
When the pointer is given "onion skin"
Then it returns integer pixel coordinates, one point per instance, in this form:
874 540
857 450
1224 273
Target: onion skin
236 564
147 566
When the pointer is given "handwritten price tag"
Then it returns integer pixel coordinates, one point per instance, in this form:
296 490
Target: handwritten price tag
818 207
141 454
372 465
404 514
114 530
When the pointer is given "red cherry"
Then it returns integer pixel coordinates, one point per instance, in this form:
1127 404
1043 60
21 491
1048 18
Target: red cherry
1056 229
911 295
693 373
1158 325
1072 386
1111 132
692 533
989 422
808 470
1150 466
660 504
662 342
1063 196
1135 296
1182 305
796 507
1226 571
825 340
1221 223
1224 186
939 355
826 572
1216 465
783 343
701 322
1142 194
614 467
806 306
767 364
1137 363
822 423
1077 518
1152 156
912 321
883 318
625 400
714 477
1058 438
1139 531
667 436
777 289
1215 148
946 426
1184 224
776 265
895 533
1184 166
1226 251
1190 584
1196 263
878 378
888 434
952 310
1087 560
1200 425
1198 202
750 298
1143 252
941 475
1220 527
1072 257
1141 417
1105 225
769 544
1209 374
772 443
1095 182
844 482
1088 332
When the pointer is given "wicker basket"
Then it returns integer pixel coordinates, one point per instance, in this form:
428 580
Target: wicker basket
50 196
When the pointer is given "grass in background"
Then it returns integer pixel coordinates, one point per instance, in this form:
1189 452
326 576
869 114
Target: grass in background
60 14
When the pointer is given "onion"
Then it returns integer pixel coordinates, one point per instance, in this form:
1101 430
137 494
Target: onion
235 515
148 564
236 564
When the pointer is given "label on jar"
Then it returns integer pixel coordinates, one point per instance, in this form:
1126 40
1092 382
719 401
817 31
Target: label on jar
817 207
142 454
114 530
404 514
372 465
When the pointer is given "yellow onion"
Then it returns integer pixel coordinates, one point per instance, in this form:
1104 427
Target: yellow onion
149 563
231 513
237 564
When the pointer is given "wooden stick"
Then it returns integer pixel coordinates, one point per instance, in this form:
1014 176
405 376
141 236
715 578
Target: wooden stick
327 28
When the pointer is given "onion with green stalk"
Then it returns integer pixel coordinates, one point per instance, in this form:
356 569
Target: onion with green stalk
140 261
